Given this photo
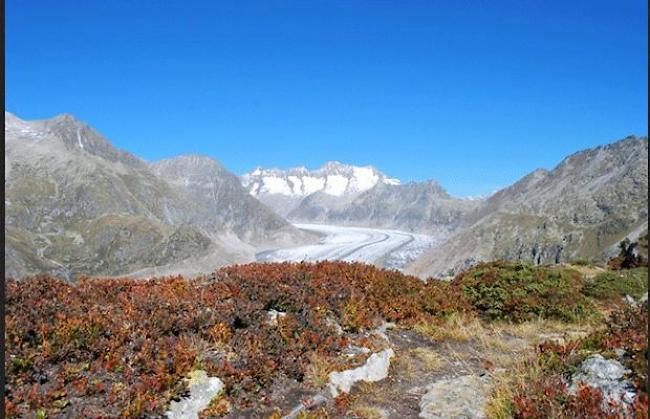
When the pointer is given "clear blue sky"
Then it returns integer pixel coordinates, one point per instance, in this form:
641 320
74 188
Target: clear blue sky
474 94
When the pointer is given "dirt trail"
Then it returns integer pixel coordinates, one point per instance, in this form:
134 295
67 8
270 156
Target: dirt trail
429 377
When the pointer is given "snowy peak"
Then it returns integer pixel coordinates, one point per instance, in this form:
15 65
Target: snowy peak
16 128
12 120
333 178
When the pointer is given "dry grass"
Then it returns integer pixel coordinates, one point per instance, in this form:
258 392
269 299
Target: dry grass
508 360
365 412
536 331
493 340
456 327
317 373
499 405
412 362
462 328
320 413
403 364
368 393
429 358
588 271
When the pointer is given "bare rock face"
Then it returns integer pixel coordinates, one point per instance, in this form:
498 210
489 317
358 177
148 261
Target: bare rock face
214 188
418 207
77 205
461 397
578 210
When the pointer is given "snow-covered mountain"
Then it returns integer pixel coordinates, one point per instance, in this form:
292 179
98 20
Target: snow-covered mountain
284 190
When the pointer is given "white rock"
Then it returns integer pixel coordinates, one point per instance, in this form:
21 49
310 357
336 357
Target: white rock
608 375
353 350
375 369
202 390
630 300
273 315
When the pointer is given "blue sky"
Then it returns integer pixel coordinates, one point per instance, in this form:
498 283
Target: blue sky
474 94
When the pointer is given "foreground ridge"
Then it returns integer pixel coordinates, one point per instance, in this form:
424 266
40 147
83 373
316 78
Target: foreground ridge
274 333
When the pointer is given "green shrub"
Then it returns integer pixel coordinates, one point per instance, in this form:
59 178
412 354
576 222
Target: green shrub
582 262
613 285
518 292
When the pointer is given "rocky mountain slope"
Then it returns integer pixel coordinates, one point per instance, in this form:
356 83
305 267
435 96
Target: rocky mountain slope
76 204
417 207
214 188
284 190
357 196
578 210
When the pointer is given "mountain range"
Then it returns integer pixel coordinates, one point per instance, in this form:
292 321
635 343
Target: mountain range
75 204
581 209
285 190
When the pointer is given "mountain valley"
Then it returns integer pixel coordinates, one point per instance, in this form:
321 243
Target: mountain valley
76 205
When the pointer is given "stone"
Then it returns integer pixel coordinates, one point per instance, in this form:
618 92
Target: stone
202 390
459 397
607 375
630 300
375 369
273 315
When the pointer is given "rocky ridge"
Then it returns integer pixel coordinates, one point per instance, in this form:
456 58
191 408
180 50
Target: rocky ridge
284 190
579 210
75 204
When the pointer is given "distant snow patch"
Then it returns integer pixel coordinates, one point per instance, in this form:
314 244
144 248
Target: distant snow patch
81 144
364 178
336 185
274 185
312 184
